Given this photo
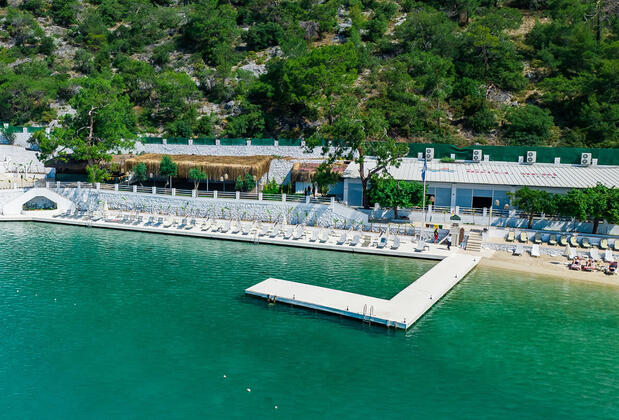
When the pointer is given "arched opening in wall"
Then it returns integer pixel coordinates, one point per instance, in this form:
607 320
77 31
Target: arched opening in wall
39 203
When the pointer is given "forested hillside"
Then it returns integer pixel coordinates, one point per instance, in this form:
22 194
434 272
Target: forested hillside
530 72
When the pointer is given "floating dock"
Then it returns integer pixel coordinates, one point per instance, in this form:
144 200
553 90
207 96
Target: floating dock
401 311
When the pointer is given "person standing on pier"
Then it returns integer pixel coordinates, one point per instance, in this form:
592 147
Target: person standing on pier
435 235
449 242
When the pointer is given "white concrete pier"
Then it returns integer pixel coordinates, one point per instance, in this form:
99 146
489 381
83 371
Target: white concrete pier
406 249
401 311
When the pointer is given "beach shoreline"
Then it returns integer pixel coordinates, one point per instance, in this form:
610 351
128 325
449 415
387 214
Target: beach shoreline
544 265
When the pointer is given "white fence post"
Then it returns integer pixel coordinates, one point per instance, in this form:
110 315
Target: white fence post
79 185
173 192
98 185
154 191
215 194
57 185
284 197
194 193
307 199
259 196
332 200
115 187
238 195
457 210
46 184
135 188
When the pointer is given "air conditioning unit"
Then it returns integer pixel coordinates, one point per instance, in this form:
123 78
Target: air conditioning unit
477 155
531 157
429 153
585 159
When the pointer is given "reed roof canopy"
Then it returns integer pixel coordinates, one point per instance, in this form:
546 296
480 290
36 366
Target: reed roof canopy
305 171
213 166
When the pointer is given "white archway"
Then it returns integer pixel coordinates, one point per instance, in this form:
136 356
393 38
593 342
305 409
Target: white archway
14 207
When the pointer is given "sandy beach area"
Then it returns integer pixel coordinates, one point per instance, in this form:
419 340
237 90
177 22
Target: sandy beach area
544 265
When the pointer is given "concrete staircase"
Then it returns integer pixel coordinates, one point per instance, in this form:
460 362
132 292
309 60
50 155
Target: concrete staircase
474 241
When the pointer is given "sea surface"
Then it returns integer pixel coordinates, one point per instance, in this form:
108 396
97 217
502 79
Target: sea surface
100 324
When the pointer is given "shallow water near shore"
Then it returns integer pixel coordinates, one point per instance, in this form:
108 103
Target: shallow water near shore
108 324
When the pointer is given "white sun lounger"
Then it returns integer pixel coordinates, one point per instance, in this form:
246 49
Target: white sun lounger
246 228
396 243
298 232
535 250
315 233
323 236
264 231
225 227
608 256
275 231
168 223
519 250
356 237
191 224
288 232
382 242
206 225
594 254
236 227
342 239
421 246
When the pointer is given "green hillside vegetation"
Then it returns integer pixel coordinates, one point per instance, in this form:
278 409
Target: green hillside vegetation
525 72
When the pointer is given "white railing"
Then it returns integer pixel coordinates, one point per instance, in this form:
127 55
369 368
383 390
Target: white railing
227 195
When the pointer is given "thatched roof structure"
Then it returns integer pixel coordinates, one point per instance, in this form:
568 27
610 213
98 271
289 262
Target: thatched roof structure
213 166
304 171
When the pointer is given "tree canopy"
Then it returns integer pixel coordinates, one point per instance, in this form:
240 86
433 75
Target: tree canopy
523 72
103 125
596 204
390 193
354 133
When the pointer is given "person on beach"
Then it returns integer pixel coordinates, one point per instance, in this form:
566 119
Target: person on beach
435 235
449 242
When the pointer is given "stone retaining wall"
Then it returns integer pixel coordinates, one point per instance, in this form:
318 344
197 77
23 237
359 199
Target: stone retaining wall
311 214
186 149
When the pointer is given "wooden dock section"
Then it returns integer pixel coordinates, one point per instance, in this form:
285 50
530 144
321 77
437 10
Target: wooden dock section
401 311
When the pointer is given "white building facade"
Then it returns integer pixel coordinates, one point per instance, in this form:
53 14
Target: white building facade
484 184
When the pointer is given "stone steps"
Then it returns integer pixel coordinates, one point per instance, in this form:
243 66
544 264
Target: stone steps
474 241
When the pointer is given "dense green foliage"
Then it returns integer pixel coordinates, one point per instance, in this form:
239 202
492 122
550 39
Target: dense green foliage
168 168
197 176
459 71
139 173
590 204
245 183
324 178
102 125
390 193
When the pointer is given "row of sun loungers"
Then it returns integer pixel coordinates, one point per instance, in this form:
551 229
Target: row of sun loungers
562 240
290 232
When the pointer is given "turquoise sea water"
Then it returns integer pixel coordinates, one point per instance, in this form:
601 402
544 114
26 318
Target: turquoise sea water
108 324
